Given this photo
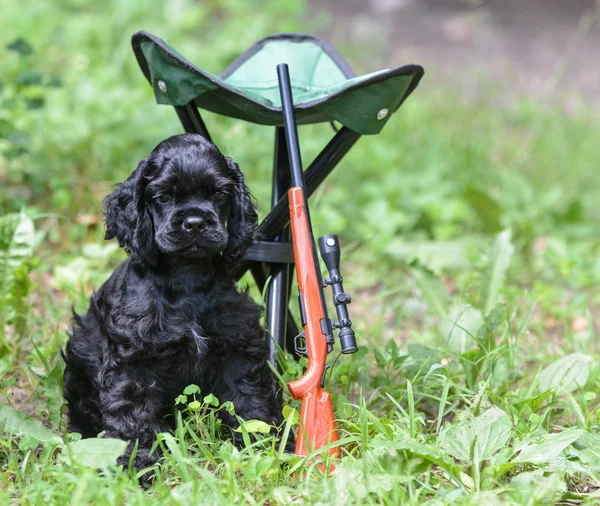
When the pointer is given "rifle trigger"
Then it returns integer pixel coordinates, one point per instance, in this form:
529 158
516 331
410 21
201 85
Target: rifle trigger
300 344
327 366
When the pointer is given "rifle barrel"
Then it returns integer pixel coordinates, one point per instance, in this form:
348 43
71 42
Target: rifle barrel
289 121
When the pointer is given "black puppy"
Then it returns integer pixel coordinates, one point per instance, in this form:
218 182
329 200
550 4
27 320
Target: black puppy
170 315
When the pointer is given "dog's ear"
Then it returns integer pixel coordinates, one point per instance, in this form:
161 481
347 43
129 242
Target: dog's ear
129 221
242 217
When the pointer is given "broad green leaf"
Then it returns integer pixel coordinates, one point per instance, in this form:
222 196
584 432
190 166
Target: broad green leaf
17 239
433 291
565 375
485 206
389 355
462 323
434 255
17 299
484 435
498 261
289 411
211 400
20 46
191 389
95 250
50 448
230 454
427 452
259 465
587 448
74 275
8 382
53 390
94 452
419 359
536 487
229 407
19 424
181 399
195 406
359 480
252 426
546 448
481 498
589 396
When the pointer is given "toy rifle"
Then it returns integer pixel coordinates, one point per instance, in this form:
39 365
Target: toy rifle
317 424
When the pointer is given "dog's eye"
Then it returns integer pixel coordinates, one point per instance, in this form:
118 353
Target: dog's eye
163 199
219 197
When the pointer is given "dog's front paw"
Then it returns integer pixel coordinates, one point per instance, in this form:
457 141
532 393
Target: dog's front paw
143 459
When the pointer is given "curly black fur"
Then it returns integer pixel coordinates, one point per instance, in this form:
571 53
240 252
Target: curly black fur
170 315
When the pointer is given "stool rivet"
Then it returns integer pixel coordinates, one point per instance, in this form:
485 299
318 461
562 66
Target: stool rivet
162 86
382 114
330 242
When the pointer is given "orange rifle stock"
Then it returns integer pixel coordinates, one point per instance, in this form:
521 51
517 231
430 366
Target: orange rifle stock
317 423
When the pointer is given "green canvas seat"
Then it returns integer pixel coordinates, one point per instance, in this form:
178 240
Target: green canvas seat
324 87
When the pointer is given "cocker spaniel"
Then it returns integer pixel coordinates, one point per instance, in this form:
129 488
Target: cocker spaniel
170 315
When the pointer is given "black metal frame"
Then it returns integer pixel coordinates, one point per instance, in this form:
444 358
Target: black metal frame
272 256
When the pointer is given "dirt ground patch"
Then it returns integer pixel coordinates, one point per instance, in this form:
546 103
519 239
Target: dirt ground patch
541 48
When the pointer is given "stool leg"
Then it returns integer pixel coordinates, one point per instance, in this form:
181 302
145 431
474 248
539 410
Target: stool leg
277 308
278 291
259 273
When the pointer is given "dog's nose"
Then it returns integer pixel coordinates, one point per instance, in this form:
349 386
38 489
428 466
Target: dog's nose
194 223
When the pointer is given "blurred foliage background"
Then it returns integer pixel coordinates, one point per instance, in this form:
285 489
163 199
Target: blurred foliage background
77 115
449 171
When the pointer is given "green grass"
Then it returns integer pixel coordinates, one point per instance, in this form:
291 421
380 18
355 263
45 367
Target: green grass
471 248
